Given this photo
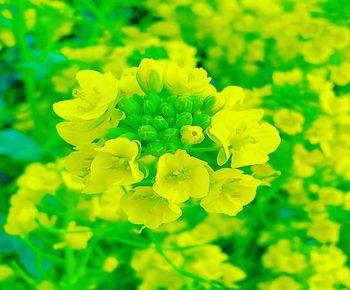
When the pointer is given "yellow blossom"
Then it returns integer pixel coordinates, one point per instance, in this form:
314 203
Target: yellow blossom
229 191
241 135
114 164
110 264
76 237
180 176
5 272
191 134
324 231
290 122
96 92
144 206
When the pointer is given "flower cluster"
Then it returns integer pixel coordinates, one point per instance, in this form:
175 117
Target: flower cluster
148 133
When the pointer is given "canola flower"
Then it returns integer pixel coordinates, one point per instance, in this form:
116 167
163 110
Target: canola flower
168 118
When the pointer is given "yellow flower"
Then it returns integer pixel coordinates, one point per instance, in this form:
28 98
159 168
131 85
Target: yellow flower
96 92
290 122
282 282
305 161
79 162
265 173
324 281
199 83
76 237
346 204
107 205
175 79
191 134
280 258
180 176
179 81
155 272
128 84
21 218
292 77
241 135
83 132
233 97
327 259
64 80
229 191
150 75
110 264
340 74
39 178
324 231
5 272
203 256
46 285
144 206
231 275
114 164
330 196
316 52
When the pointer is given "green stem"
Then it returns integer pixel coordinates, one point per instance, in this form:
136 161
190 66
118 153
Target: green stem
30 281
84 260
180 270
28 74
39 253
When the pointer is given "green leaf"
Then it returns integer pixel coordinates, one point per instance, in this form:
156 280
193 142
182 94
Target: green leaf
18 146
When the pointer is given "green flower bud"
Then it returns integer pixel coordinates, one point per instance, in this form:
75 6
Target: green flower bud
156 148
171 100
137 99
115 132
147 133
212 104
208 104
197 102
149 107
183 119
133 121
171 121
167 110
130 106
147 120
183 104
160 123
170 135
201 120
154 98
150 76
129 135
